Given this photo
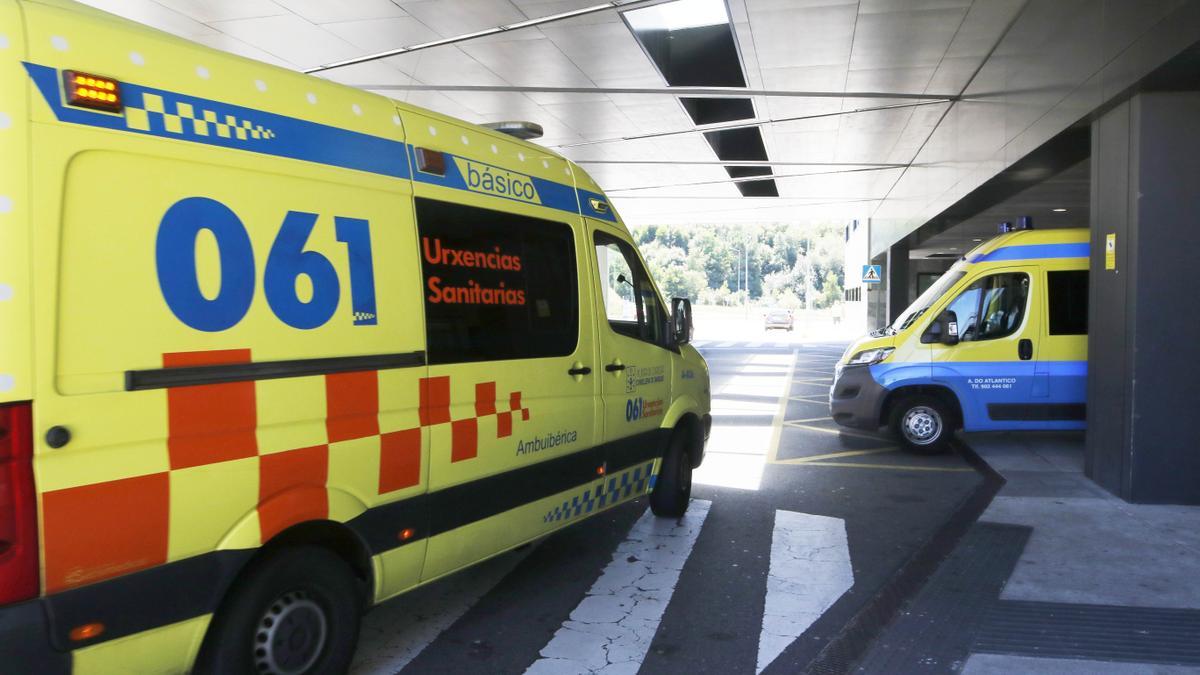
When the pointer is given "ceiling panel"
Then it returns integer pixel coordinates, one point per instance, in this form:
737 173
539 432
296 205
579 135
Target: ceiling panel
336 11
606 53
207 11
157 15
291 38
456 17
904 38
825 32
1027 69
535 62
383 34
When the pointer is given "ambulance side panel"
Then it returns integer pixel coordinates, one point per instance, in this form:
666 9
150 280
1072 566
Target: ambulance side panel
229 331
16 282
522 454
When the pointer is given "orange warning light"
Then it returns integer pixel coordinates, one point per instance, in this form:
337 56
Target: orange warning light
92 91
87 631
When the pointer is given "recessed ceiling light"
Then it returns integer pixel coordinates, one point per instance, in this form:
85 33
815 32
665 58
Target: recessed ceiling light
977 240
678 15
1059 210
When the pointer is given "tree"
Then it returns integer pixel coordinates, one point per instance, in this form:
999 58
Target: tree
707 263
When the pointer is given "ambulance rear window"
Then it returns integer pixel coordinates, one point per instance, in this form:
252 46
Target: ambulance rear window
497 285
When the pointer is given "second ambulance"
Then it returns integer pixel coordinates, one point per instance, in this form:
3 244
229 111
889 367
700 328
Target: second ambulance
998 343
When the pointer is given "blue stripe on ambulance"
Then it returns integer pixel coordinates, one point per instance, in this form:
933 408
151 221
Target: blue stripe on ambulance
551 194
585 206
290 137
283 136
1033 252
978 384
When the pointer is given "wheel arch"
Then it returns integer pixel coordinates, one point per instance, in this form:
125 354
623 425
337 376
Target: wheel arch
337 538
943 393
689 423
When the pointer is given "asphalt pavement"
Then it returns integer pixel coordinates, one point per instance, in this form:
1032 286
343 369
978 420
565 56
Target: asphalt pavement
802 541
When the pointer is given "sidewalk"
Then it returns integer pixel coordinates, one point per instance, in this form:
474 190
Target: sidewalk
1058 576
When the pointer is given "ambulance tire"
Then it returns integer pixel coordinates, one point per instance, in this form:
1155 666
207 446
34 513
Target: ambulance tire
673 490
924 424
297 608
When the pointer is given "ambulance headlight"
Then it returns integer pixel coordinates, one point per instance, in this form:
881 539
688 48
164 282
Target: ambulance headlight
869 357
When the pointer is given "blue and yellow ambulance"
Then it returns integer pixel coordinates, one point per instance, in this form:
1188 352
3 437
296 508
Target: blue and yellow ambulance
999 342
273 350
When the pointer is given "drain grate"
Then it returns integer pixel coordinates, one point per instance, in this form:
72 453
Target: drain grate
1096 632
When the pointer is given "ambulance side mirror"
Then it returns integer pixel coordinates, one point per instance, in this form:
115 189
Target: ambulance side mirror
681 320
943 330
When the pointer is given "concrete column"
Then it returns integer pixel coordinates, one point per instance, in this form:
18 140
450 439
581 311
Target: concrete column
1143 436
896 270
877 296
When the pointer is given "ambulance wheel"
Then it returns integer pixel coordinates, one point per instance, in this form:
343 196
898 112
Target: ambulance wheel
673 490
924 424
296 611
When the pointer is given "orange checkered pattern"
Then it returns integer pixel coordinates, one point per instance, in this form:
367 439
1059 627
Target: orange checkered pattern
215 424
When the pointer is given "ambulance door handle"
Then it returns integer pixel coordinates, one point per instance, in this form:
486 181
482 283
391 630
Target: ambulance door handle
580 371
1025 349
614 367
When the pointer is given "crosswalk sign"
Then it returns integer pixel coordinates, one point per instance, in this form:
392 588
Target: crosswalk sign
872 274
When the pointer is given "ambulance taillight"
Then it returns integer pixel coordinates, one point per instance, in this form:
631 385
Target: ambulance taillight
18 506
84 90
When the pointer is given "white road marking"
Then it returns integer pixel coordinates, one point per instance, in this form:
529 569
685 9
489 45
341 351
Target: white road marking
810 569
737 454
397 631
611 629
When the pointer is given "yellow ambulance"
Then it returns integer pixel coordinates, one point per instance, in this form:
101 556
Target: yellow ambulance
274 350
997 343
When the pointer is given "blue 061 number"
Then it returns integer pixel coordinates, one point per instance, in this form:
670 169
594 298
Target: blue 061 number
175 256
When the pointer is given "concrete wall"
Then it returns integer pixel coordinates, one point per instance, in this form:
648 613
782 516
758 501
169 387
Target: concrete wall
857 243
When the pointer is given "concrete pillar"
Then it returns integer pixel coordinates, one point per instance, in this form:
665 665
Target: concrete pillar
1143 436
896 269
877 296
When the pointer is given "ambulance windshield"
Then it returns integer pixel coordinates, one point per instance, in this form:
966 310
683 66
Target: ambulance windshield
923 303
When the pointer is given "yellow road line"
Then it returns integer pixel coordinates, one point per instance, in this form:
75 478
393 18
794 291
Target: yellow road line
902 467
777 423
835 455
839 431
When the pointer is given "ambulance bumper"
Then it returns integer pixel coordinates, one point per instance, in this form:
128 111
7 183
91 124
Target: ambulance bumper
25 641
856 399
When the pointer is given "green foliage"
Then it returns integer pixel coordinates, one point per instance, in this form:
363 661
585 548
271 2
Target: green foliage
789 265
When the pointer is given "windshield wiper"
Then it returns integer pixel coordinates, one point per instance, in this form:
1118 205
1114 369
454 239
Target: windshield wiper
915 315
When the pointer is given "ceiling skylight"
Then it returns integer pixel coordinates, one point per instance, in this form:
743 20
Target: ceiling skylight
678 15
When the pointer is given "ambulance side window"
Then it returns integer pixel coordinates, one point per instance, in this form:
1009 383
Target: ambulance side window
966 310
1002 307
496 285
993 307
630 301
